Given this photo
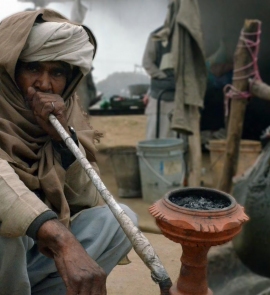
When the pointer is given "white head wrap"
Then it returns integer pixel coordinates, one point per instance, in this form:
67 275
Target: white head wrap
52 41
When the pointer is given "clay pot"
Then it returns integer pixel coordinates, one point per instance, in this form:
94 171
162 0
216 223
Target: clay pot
197 231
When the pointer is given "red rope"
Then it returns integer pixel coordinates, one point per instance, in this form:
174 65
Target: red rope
230 92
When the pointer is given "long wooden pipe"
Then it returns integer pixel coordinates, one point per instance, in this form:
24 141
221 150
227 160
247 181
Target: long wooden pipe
139 242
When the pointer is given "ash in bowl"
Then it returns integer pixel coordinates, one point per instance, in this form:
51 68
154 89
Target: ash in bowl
200 202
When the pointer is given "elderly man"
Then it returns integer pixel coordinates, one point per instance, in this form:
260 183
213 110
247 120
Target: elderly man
56 234
158 63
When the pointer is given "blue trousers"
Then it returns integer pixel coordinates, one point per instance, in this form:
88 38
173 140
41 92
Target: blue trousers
24 270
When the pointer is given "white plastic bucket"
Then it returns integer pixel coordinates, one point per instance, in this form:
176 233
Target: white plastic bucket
162 167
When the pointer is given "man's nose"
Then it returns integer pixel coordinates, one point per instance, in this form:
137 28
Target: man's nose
43 83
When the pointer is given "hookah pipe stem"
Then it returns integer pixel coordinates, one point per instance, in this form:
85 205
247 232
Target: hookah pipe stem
139 242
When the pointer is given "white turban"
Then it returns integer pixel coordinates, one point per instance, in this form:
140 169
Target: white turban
52 41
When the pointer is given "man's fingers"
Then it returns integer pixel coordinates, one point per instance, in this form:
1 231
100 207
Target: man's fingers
48 108
43 104
71 292
42 107
90 290
31 91
89 285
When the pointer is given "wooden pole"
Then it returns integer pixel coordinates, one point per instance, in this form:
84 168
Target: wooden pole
260 89
242 58
195 153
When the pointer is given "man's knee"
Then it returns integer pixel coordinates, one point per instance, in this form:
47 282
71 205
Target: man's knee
13 265
15 244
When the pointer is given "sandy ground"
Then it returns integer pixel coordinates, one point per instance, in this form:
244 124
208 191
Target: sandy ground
134 279
120 130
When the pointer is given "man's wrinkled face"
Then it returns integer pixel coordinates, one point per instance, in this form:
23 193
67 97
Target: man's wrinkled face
47 76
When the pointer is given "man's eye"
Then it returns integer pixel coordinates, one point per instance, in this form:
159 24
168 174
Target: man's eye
32 69
59 73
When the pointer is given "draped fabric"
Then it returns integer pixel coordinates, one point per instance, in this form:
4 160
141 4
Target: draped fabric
190 66
183 26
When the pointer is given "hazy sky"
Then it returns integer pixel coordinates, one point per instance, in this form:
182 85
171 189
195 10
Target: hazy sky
120 26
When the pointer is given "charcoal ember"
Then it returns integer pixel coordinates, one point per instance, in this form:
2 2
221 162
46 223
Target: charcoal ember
200 202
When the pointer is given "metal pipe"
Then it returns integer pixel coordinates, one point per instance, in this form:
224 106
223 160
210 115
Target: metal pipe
139 242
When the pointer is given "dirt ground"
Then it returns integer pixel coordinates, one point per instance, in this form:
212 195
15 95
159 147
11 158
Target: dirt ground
134 279
119 130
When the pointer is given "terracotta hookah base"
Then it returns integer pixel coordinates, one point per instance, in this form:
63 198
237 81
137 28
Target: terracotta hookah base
193 273
175 291
197 231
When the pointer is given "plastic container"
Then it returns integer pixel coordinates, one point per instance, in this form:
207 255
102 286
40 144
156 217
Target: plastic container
126 170
162 167
249 152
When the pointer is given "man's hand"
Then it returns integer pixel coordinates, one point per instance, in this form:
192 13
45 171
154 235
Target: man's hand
44 104
80 273
146 99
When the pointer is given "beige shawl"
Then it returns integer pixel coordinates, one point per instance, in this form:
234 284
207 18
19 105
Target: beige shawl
23 143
